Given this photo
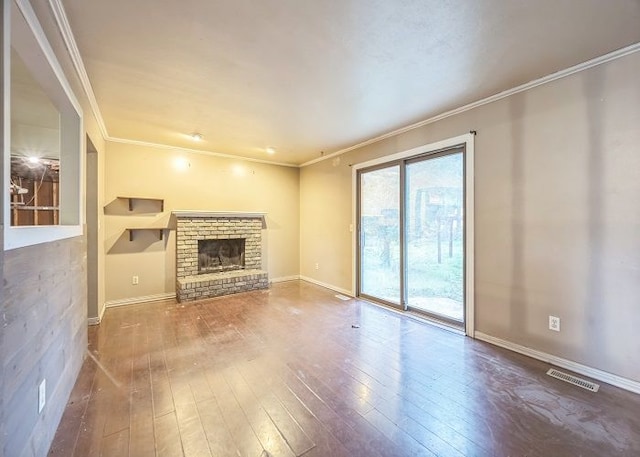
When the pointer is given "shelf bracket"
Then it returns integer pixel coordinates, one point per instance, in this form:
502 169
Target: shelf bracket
160 232
130 201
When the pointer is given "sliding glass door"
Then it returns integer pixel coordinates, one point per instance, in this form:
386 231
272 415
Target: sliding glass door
379 231
411 241
435 235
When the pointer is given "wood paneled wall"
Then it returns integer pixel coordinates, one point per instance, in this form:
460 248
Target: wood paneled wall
45 337
3 66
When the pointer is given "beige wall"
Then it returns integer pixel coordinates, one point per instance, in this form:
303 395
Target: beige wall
556 213
208 183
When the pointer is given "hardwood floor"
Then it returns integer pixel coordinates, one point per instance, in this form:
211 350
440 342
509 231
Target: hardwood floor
283 373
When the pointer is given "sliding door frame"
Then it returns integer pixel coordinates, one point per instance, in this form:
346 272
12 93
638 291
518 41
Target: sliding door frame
465 142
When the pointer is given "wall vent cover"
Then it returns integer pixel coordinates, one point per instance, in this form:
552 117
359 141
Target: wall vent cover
593 387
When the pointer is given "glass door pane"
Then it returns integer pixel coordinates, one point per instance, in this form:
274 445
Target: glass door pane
435 236
379 246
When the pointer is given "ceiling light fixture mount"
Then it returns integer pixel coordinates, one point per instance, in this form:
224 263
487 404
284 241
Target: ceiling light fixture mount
195 136
270 150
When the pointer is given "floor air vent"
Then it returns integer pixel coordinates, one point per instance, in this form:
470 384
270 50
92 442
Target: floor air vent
342 297
593 387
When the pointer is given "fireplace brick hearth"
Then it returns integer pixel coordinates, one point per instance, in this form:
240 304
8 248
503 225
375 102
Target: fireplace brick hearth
245 275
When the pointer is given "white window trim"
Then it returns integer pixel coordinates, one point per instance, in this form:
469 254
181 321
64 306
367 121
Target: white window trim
17 237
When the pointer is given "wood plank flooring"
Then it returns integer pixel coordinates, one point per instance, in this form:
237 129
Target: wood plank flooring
283 373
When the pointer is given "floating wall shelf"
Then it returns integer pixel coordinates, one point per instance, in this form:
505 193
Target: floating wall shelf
155 201
132 199
160 231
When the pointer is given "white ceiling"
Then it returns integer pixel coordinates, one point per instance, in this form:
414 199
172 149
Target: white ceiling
306 76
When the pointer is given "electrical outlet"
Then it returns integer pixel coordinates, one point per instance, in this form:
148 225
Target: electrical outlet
135 280
42 395
317 266
554 323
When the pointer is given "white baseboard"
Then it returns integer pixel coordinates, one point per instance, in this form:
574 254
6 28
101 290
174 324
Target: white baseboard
614 380
285 278
138 300
97 320
327 286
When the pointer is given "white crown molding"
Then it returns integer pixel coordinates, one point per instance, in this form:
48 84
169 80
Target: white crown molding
609 378
493 98
74 53
31 19
76 58
197 151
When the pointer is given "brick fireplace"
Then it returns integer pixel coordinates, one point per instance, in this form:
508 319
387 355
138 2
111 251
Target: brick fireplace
218 253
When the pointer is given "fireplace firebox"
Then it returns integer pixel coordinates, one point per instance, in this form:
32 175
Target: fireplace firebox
217 255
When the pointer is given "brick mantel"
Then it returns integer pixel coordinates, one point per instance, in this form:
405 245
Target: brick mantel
190 214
